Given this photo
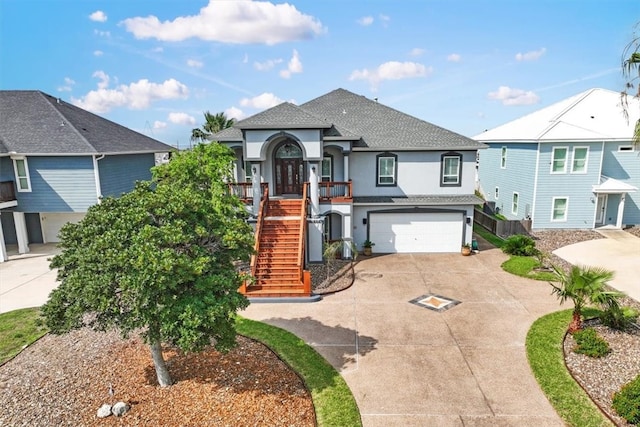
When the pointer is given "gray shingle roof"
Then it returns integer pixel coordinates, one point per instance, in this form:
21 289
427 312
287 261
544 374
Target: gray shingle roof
371 125
33 122
442 200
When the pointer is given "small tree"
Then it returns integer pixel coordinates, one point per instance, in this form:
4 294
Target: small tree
160 259
582 285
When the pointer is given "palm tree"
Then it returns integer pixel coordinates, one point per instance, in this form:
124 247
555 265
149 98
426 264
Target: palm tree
213 124
631 73
583 285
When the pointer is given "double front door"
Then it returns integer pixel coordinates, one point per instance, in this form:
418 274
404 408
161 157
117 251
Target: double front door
289 176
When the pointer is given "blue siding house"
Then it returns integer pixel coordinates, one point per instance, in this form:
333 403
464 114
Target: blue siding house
571 165
56 160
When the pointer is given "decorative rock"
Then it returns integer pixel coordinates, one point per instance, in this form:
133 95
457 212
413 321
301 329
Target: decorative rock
104 411
119 409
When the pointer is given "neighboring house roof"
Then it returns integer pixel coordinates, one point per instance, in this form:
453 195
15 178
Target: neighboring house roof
33 122
611 185
442 200
596 114
347 116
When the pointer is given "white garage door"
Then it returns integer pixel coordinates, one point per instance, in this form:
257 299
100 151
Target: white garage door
411 232
53 222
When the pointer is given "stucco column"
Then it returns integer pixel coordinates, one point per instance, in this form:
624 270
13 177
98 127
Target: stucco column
313 190
255 186
620 210
345 159
3 248
21 232
347 236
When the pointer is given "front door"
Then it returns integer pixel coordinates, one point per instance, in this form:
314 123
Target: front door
601 207
289 169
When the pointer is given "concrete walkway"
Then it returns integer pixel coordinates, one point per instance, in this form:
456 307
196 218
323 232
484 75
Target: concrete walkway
618 252
410 366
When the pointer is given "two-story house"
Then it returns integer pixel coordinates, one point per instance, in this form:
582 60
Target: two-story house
56 160
571 165
345 167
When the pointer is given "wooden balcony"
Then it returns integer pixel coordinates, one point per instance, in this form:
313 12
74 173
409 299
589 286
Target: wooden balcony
244 190
335 191
7 191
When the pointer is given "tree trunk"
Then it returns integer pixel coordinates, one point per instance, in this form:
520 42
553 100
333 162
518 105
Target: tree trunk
162 373
576 322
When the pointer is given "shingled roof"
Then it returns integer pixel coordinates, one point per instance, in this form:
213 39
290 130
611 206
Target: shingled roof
34 122
369 124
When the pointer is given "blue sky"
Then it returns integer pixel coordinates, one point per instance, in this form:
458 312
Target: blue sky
155 65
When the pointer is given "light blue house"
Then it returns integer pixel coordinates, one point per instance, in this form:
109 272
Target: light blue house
56 160
571 165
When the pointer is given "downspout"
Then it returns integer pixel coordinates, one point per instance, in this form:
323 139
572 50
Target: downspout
96 173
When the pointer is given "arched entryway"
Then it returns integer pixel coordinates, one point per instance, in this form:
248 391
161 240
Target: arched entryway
289 168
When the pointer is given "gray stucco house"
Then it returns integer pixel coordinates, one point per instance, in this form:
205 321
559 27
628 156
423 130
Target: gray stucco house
56 160
370 173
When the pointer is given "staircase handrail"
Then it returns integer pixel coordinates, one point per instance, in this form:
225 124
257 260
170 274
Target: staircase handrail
262 212
303 231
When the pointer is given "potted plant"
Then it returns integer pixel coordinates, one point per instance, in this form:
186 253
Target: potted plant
466 249
367 246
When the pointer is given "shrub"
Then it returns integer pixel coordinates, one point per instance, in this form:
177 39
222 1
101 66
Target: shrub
590 343
617 317
520 245
626 401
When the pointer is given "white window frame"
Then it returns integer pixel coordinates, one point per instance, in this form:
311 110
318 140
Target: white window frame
323 177
515 199
503 158
19 177
392 175
248 173
456 174
553 160
496 193
553 209
573 160
626 148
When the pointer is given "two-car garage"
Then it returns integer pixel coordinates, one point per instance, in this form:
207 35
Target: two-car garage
406 232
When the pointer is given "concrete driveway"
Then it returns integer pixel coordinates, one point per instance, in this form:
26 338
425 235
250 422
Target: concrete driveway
408 365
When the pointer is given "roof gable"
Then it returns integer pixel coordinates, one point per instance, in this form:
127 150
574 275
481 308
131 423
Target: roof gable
283 116
596 114
37 123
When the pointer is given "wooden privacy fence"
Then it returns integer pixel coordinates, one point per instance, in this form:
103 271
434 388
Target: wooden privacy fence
502 228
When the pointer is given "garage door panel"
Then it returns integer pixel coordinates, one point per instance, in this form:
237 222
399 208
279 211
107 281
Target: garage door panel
53 222
411 232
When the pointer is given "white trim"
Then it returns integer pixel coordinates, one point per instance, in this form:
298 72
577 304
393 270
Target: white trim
553 208
515 196
444 170
573 159
626 149
96 173
393 171
19 177
553 160
535 188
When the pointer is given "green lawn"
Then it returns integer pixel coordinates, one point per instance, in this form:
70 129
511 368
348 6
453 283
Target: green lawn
488 236
524 266
546 358
18 329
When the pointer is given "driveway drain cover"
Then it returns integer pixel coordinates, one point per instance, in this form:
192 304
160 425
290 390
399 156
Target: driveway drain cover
434 302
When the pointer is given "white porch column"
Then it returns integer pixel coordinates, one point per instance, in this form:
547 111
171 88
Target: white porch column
313 190
21 232
345 158
3 248
255 186
620 210
347 236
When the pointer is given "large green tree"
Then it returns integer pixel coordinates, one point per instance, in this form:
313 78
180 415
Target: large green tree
631 73
161 259
213 123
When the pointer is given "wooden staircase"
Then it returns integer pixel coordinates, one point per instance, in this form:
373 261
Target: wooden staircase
278 265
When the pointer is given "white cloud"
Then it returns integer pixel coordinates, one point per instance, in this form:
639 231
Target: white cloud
384 19
416 51
232 22
365 21
261 102
531 56
98 16
293 67
194 63
68 85
104 79
510 96
98 53
135 96
102 33
182 119
266 65
454 57
234 113
392 70
159 125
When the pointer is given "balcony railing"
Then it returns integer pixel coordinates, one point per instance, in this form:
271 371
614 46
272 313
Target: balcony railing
335 191
244 190
7 191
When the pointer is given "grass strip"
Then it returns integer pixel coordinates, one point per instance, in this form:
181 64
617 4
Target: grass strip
488 236
333 401
18 329
523 266
544 347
